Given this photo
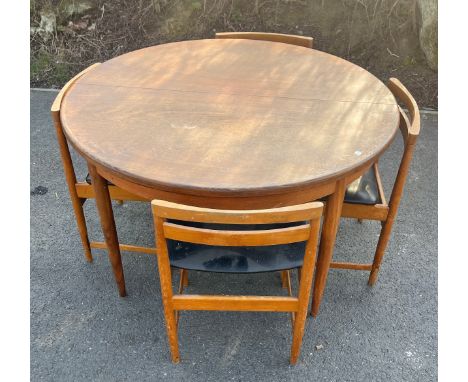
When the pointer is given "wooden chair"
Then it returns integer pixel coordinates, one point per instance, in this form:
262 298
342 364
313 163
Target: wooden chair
81 191
235 241
365 198
274 37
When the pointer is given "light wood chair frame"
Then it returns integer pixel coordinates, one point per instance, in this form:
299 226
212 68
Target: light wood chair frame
173 303
386 212
82 191
304 41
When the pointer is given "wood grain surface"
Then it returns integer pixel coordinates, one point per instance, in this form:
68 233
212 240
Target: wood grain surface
229 116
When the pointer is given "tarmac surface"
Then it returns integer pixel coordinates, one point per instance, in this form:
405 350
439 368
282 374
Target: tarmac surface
81 330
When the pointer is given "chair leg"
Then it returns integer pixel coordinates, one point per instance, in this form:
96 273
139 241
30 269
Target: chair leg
70 178
301 315
289 289
380 250
171 321
298 333
81 223
185 279
82 228
171 328
304 293
165 270
284 279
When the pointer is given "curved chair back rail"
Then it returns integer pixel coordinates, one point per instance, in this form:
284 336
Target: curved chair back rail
304 41
164 230
410 127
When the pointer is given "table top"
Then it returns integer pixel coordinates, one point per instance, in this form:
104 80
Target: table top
229 116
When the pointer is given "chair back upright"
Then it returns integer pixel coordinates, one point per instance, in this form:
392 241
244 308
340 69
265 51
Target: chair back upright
410 128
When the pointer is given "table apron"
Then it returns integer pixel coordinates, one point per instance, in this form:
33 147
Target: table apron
291 197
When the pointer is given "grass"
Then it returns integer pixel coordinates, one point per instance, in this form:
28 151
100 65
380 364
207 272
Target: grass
47 70
380 36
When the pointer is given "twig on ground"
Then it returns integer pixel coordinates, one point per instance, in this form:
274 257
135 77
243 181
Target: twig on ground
392 54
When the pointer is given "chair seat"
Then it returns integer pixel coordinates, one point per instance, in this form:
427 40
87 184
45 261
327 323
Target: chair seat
235 259
90 181
364 190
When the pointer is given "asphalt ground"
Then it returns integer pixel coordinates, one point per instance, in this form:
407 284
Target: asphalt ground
82 331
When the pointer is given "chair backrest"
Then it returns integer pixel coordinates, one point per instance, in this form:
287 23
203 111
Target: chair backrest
410 128
274 37
162 210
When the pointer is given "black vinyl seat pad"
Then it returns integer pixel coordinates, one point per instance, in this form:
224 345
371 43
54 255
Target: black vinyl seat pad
90 181
236 259
364 190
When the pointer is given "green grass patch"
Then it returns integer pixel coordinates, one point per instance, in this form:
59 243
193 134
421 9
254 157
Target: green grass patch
47 70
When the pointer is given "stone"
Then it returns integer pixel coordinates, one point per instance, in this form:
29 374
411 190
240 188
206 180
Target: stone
47 25
428 31
69 8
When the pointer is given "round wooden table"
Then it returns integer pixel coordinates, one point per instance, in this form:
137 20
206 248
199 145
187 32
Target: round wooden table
236 124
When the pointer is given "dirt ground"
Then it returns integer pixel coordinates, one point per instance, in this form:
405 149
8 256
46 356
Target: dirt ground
380 36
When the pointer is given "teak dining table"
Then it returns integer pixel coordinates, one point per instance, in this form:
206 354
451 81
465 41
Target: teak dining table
235 124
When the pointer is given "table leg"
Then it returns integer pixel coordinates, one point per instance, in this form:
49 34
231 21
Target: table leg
104 205
331 222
